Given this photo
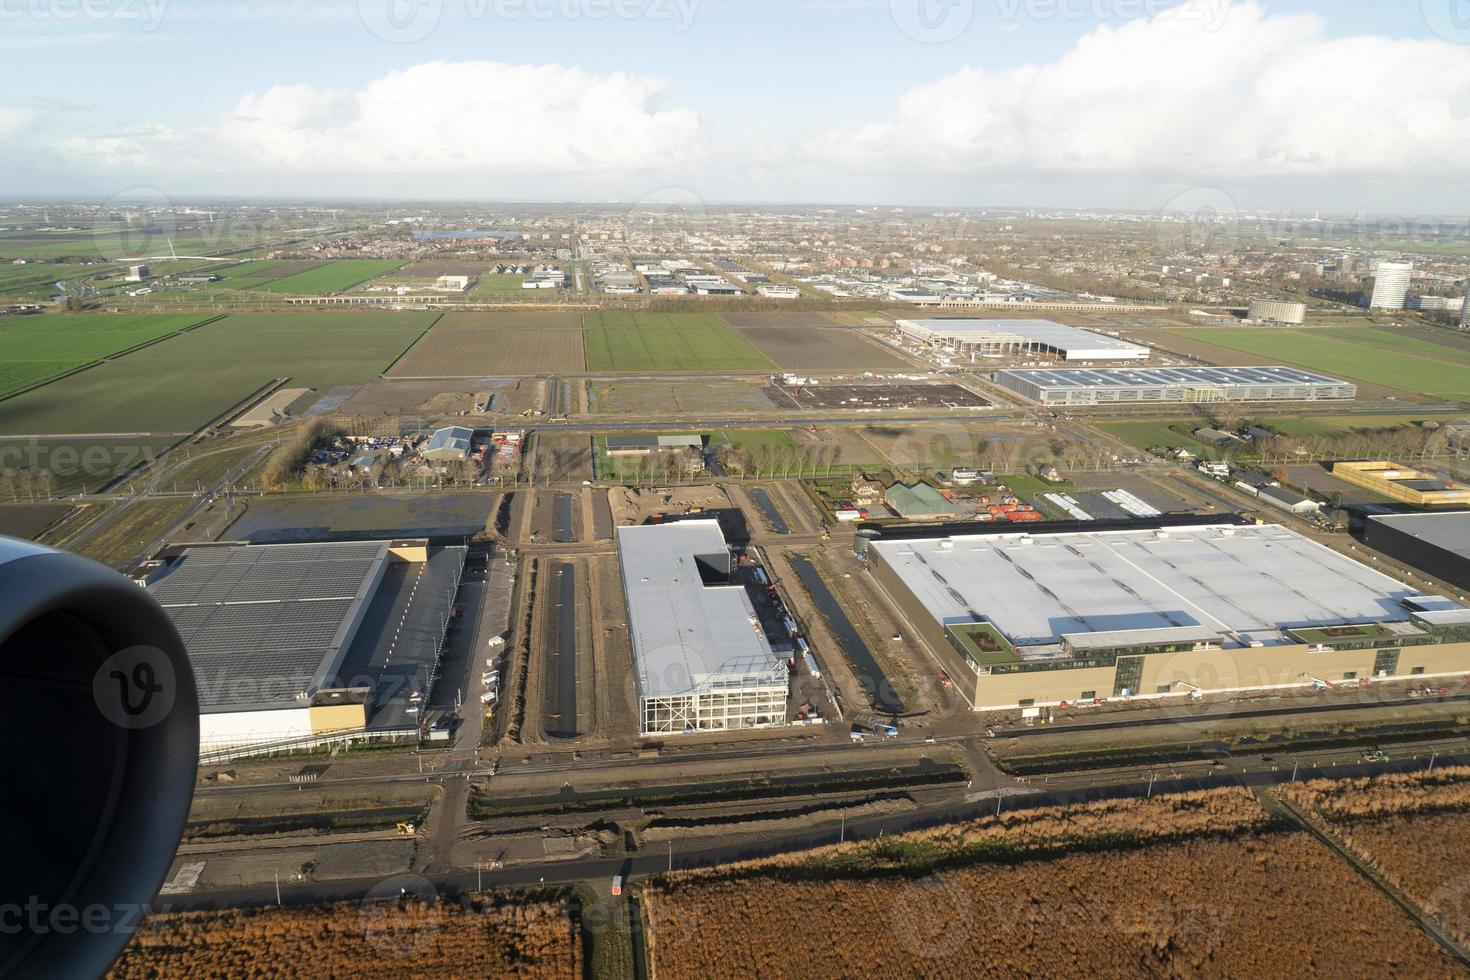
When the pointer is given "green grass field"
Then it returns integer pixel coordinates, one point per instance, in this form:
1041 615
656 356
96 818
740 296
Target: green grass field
650 321
1150 435
36 280
183 383
1358 353
754 440
494 283
1336 425
334 277
667 342
35 348
244 270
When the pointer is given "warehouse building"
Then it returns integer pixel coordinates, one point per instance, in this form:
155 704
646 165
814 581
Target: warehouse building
646 445
268 628
1059 615
1276 311
450 444
1437 544
1185 385
973 339
1404 484
701 658
919 502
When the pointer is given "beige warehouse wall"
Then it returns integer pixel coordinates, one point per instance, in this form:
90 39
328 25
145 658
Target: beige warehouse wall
1220 670
337 718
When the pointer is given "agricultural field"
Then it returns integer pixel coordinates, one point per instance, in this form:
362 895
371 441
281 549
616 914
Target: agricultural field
632 342
1414 828
796 345
181 385
318 279
485 936
252 270
1190 885
28 521
37 280
428 270
500 283
1405 364
129 533
33 349
64 465
716 396
1335 425
474 344
278 520
118 241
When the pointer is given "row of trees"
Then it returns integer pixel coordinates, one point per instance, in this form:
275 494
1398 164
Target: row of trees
19 486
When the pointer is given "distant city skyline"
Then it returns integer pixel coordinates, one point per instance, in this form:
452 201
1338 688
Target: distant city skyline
1081 104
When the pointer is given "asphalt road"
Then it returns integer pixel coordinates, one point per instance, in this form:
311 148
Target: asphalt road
660 859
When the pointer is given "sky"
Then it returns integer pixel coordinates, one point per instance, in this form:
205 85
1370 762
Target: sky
1346 107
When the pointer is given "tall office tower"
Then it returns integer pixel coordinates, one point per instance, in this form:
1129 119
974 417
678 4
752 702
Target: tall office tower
1391 285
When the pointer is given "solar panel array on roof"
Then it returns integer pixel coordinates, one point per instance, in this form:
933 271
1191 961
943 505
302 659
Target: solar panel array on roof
266 623
1149 377
1086 386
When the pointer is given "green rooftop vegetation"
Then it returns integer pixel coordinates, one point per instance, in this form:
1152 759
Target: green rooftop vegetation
983 643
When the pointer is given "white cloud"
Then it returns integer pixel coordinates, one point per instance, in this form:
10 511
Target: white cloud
1187 94
456 118
14 118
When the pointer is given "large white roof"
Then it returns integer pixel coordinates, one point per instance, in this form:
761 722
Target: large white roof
687 635
1072 342
1247 582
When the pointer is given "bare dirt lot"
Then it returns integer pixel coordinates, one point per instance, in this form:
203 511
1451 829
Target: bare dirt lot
810 348
434 268
714 397
883 396
465 344
742 320
562 456
437 399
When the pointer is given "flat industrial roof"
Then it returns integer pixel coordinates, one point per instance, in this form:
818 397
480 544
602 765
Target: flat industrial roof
1450 531
266 624
1053 378
687 635
1249 583
1048 332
